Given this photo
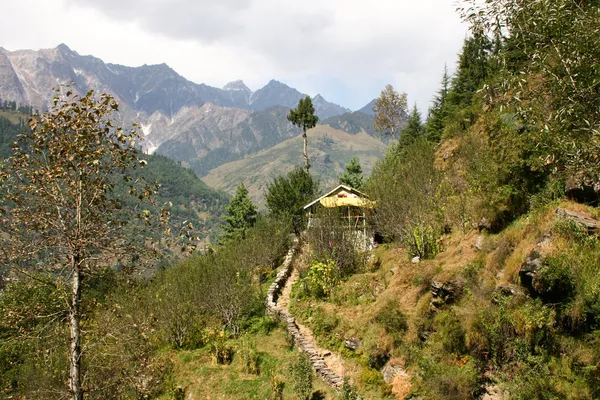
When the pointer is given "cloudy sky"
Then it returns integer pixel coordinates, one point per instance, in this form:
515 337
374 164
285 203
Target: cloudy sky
347 50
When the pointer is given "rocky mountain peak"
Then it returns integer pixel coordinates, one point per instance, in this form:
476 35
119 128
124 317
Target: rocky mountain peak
368 109
237 86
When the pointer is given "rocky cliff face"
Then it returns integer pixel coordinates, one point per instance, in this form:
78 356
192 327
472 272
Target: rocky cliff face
200 125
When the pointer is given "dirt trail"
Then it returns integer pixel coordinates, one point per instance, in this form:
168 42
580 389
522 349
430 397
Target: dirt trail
333 360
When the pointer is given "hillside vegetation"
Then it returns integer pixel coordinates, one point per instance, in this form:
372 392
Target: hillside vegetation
330 150
485 283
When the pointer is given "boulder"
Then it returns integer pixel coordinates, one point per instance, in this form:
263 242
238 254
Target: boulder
390 371
529 271
444 293
353 344
591 225
479 242
416 260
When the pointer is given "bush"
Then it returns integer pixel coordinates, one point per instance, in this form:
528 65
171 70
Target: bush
422 241
407 189
249 357
555 282
322 277
220 351
444 381
449 333
324 322
348 392
370 377
277 386
302 377
393 320
331 238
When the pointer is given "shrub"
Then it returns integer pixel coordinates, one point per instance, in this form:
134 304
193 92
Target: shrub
302 377
348 392
392 319
277 386
322 277
286 196
324 322
555 282
376 355
250 358
331 238
446 381
370 377
406 187
422 241
220 351
449 333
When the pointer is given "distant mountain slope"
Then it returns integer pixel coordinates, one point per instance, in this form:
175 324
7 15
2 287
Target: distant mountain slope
215 135
352 122
368 109
329 150
325 109
148 94
192 199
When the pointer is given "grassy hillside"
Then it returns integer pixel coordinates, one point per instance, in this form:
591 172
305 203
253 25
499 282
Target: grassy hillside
329 151
465 322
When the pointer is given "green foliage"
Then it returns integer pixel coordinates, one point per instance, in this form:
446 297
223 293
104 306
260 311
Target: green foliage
250 357
336 234
414 128
353 176
241 215
322 278
371 377
423 242
434 126
220 351
348 392
304 117
406 187
555 282
393 320
277 386
287 195
302 377
449 333
549 79
390 111
447 380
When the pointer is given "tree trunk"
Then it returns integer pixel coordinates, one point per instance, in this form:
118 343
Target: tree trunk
74 320
306 151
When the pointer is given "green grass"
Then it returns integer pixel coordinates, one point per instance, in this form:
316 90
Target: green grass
202 379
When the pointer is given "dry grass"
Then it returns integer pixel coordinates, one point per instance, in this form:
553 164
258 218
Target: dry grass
202 379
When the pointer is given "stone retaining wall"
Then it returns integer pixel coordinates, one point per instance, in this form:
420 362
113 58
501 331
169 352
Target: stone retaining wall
304 345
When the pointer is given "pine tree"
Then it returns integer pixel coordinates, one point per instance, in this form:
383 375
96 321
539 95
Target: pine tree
353 175
473 68
414 128
304 117
241 215
438 111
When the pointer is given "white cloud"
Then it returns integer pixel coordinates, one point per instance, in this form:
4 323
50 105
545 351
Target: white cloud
345 49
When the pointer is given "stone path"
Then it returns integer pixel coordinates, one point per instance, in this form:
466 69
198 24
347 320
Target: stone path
326 364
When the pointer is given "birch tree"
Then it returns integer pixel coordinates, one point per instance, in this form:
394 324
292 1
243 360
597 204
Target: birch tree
63 212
